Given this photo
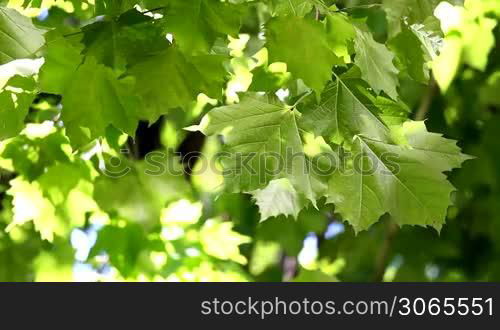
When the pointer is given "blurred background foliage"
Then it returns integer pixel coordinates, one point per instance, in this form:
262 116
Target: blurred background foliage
62 220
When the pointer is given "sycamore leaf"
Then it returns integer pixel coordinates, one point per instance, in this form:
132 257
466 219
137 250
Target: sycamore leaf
279 197
102 42
15 101
405 180
19 38
263 143
286 40
388 169
107 101
344 111
292 7
341 34
120 42
431 42
196 24
410 55
170 80
62 58
376 64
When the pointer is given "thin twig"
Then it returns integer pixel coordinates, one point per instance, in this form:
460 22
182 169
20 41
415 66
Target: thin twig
426 103
384 253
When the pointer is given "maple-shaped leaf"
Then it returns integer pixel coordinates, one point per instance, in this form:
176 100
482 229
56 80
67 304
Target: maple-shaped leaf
376 64
19 38
345 110
390 166
196 24
62 58
278 198
95 99
410 54
262 143
103 42
404 179
15 101
303 45
341 34
121 41
170 80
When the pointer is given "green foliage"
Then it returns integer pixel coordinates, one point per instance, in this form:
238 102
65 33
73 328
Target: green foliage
309 117
19 37
312 64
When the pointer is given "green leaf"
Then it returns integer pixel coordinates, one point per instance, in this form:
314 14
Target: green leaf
141 190
31 155
446 65
62 58
313 64
431 42
196 24
405 180
409 53
344 111
392 112
107 101
264 144
15 101
279 197
120 42
384 166
340 33
170 80
413 11
123 245
19 38
292 7
101 41
376 64
58 200
221 241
